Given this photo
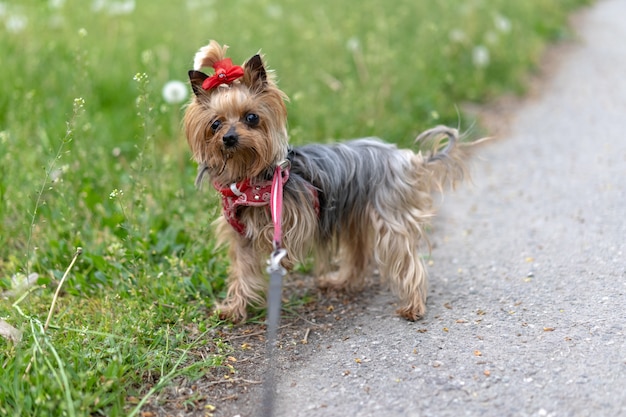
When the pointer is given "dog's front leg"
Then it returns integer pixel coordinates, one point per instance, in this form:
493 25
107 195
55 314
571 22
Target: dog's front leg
246 282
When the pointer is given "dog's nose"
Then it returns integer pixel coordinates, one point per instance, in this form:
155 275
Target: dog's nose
230 138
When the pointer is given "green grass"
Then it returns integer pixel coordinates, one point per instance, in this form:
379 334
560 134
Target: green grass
91 156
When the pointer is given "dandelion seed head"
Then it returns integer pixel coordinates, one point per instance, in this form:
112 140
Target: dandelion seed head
174 92
16 23
353 44
199 4
56 4
502 23
480 56
457 36
114 8
274 11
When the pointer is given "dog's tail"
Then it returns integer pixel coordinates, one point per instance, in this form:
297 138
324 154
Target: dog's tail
444 163
440 135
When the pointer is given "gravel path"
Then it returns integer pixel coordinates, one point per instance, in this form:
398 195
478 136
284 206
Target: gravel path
527 309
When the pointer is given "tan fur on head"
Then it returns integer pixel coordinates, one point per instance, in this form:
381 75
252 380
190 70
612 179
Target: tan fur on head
229 105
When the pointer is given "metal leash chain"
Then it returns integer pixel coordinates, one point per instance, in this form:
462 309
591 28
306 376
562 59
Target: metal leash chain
274 294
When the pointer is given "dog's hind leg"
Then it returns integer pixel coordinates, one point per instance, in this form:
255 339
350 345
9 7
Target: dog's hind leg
354 262
396 251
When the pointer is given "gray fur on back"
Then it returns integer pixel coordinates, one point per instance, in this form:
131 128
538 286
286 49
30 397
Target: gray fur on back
347 176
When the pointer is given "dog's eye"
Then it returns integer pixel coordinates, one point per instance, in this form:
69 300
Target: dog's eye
216 125
252 119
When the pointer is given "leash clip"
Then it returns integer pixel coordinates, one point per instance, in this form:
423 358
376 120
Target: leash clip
284 164
273 263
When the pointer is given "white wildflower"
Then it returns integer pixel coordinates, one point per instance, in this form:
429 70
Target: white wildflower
480 56
98 5
79 103
114 8
140 77
274 11
353 44
174 92
502 23
116 193
56 174
56 4
457 36
16 23
122 7
199 4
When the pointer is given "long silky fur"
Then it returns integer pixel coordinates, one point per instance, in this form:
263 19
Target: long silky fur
375 200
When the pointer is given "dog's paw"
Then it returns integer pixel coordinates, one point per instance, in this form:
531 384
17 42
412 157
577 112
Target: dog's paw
412 313
341 281
331 281
233 312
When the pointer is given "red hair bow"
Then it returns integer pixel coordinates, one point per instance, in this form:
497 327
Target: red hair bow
225 73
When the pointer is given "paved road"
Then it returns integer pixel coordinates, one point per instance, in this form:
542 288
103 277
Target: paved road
527 310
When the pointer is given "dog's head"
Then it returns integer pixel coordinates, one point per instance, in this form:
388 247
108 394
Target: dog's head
236 124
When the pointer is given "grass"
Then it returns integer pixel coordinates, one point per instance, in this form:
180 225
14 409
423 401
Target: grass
91 156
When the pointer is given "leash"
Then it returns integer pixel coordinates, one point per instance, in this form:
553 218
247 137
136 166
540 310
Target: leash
276 273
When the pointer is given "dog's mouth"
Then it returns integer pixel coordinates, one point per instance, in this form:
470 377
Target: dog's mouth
237 163
225 157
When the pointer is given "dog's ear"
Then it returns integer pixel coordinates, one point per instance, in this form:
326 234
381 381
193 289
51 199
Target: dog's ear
196 78
255 76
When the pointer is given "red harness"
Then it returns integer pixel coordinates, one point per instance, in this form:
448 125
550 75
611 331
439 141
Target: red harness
246 194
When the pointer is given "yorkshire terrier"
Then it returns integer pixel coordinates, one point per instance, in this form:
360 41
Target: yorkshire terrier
363 203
